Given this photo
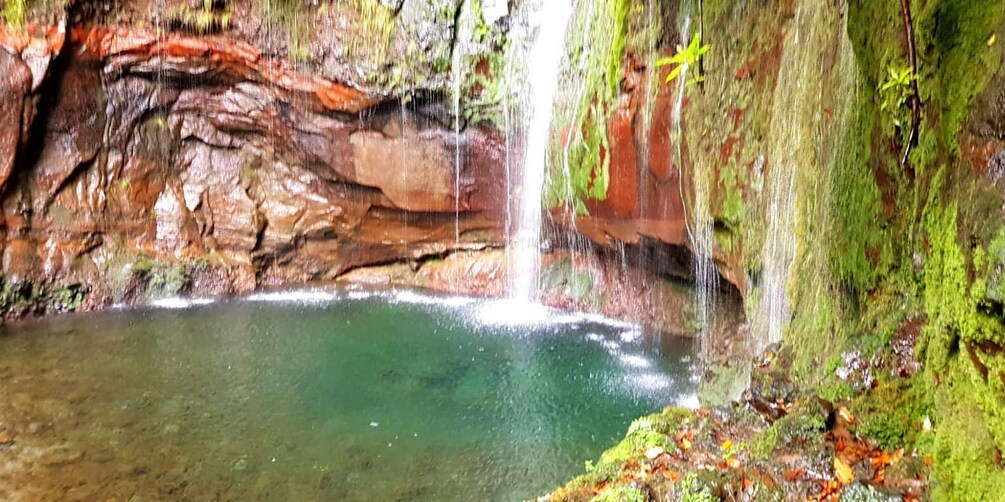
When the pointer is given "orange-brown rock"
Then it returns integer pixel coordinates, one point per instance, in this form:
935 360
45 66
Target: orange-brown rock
175 147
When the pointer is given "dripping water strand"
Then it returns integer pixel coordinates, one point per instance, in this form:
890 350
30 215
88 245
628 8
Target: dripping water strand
578 68
461 36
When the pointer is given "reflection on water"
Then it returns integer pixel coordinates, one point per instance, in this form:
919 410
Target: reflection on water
318 396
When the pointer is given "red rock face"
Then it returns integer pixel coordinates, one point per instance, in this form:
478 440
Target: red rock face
644 206
15 84
186 147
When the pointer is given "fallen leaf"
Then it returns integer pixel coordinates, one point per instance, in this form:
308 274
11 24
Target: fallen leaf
885 458
881 459
829 491
880 476
991 41
727 444
746 483
733 463
794 474
843 472
685 444
846 415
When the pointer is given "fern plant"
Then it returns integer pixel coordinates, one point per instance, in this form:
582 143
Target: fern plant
896 90
686 57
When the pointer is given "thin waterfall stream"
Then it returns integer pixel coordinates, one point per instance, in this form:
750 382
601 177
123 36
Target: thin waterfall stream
462 35
544 65
700 224
791 146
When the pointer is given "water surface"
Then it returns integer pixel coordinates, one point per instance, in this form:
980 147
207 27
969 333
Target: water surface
330 397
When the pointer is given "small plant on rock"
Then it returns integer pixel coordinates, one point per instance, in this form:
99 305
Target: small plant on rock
686 57
896 90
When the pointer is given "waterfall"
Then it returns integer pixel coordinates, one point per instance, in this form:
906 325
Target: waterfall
462 35
544 65
700 225
797 98
653 81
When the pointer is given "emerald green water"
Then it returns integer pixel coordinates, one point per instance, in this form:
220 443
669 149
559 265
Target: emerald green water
345 397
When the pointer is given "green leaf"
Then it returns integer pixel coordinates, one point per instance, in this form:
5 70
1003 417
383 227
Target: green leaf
674 74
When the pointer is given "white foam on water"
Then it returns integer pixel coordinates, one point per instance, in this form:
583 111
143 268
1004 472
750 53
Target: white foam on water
652 381
611 346
298 296
690 402
631 336
408 296
634 361
512 313
359 295
177 302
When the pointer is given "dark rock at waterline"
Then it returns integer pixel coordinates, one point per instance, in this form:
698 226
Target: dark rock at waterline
996 165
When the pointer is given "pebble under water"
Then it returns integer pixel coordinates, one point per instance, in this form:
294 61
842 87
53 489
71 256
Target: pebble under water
321 396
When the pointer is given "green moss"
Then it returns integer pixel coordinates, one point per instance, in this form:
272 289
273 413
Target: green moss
17 296
761 447
67 298
964 448
201 21
484 92
580 168
163 279
995 269
620 493
692 489
965 64
643 434
805 422
15 13
951 300
856 231
893 413
166 279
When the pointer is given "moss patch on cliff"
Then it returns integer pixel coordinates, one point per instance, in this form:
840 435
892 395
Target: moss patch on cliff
14 13
579 162
19 298
903 250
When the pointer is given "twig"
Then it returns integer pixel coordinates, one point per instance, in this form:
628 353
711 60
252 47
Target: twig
915 99
701 36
